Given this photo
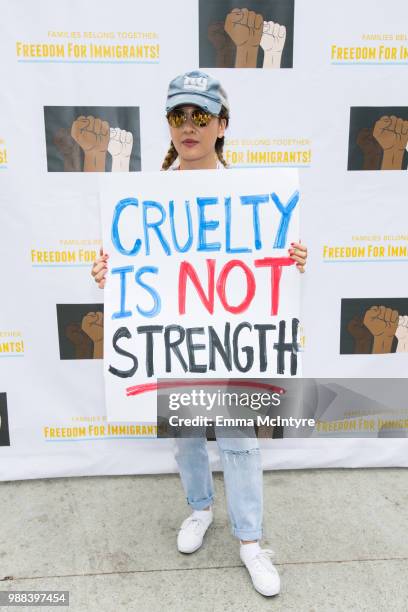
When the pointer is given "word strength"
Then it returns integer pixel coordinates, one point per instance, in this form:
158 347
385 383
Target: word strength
173 348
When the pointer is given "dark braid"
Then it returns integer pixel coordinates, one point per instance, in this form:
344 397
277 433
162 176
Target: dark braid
219 148
170 157
219 144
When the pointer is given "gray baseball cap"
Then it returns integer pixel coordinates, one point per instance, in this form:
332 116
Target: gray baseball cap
199 89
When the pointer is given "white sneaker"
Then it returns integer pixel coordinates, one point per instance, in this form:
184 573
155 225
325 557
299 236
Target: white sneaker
192 530
264 574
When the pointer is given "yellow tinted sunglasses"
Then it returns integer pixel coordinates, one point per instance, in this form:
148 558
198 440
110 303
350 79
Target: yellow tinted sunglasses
200 118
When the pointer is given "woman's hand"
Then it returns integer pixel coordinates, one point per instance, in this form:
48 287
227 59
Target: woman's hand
100 268
298 252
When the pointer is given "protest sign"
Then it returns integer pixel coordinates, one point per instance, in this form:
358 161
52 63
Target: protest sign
200 284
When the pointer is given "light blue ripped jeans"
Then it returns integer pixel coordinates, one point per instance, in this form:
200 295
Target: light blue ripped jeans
241 461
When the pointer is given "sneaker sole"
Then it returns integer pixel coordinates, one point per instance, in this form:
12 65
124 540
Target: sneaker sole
266 594
188 552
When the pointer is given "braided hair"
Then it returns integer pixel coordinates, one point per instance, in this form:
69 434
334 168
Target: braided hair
170 158
172 154
219 143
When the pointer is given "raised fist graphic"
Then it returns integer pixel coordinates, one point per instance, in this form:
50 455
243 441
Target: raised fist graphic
92 325
392 135
92 134
371 149
245 29
224 47
120 147
382 322
69 149
82 343
402 334
363 339
272 42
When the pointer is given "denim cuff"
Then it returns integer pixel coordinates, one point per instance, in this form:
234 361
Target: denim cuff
247 535
201 503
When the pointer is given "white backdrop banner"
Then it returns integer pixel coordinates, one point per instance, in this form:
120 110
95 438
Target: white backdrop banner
82 98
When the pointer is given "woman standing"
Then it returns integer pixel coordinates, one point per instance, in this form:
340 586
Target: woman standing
198 114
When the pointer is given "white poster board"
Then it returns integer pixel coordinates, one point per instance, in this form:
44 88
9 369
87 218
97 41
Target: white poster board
197 260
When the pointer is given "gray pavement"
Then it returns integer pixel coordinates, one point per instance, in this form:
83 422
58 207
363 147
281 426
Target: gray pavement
340 538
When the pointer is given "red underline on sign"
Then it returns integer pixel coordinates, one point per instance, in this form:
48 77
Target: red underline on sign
209 382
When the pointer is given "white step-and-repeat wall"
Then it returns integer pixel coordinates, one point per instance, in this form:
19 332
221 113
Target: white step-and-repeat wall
313 85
